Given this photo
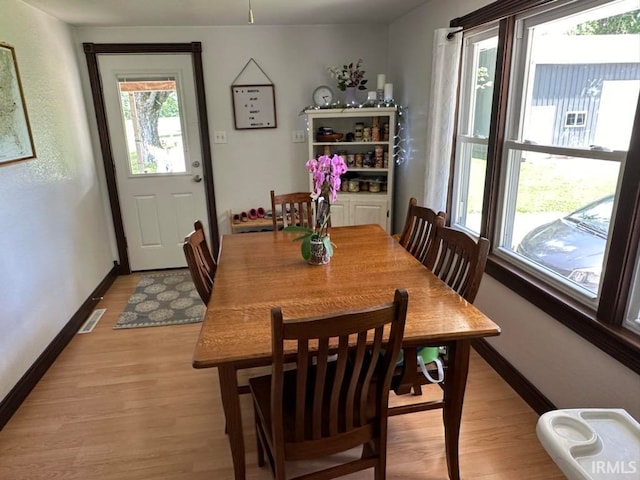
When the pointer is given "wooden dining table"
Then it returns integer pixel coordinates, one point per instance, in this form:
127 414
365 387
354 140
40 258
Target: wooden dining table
257 271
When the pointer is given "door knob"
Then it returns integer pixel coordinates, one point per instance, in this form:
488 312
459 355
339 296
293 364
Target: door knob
197 178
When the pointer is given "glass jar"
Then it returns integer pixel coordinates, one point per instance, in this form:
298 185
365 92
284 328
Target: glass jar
367 160
375 133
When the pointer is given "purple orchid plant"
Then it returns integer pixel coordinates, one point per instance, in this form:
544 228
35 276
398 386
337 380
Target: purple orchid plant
325 172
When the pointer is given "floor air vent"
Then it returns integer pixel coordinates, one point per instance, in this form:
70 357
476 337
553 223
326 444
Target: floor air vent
92 321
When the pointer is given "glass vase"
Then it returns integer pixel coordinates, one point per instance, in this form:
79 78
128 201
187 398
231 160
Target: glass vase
350 96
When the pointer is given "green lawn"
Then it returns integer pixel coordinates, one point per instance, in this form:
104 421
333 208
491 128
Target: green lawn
552 184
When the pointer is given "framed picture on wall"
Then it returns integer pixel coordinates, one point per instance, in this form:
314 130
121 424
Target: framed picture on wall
16 141
254 106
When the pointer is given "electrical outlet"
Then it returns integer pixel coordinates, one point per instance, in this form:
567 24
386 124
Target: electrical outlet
297 136
219 136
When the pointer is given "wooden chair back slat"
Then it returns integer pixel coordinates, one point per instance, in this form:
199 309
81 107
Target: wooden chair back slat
319 388
336 388
375 351
302 362
293 208
419 229
352 389
200 261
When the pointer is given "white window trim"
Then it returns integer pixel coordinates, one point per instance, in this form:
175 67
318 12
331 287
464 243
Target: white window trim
576 113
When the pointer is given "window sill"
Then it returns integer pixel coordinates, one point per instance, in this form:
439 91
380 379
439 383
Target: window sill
618 342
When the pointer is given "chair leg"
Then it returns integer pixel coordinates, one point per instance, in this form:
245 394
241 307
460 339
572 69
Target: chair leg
259 447
380 470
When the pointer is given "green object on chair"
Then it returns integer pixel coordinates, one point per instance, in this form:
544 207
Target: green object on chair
428 355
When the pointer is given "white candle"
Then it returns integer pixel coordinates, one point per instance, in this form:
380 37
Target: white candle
388 91
381 79
371 95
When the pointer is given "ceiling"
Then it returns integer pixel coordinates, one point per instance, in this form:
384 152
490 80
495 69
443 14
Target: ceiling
224 12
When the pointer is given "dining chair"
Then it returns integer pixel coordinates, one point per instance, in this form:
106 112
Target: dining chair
420 229
202 268
336 397
293 208
201 263
458 260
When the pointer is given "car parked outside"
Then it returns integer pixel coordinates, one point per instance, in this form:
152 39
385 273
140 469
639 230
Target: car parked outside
572 246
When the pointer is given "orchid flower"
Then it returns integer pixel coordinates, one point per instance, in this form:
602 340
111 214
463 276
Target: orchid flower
325 173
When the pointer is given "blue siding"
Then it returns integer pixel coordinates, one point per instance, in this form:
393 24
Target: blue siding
576 87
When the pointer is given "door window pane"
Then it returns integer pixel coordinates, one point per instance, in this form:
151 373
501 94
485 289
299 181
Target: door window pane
153 125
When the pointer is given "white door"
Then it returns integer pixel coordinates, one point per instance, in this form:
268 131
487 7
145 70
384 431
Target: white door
150 104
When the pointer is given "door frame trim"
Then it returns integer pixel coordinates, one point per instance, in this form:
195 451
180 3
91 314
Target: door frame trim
92 50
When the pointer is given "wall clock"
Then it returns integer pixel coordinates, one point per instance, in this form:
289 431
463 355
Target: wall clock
322 96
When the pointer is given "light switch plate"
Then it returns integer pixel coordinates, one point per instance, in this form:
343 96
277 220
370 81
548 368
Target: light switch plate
219 136
297 136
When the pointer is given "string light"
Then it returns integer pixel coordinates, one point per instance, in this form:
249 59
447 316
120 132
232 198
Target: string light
400 138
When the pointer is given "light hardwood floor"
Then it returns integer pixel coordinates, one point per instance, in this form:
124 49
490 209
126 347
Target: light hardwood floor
126 404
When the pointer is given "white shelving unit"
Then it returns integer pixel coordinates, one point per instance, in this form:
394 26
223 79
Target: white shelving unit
364 206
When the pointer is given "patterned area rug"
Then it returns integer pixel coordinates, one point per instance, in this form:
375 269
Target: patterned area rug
162 299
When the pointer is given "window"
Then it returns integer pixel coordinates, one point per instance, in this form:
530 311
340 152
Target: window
478 71
554 175
575 119
563 199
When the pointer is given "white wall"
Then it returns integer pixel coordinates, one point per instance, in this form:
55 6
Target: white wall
253 162
570 371
54 247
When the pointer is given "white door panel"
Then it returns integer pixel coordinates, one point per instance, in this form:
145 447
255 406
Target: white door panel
339 214
156 172
148 221
369 210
